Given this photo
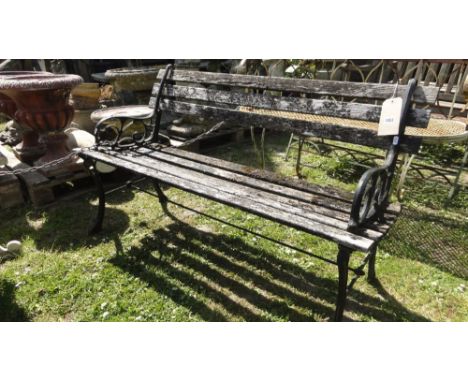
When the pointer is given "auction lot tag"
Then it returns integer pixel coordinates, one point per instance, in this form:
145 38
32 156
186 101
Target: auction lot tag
390 117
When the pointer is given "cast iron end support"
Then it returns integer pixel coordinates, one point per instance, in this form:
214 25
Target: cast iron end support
371 270
96 225
343 262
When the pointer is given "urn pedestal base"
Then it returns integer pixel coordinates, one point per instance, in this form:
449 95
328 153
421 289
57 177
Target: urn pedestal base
57 150
29 149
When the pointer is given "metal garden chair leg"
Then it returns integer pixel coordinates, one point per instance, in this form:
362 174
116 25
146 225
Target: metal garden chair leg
288 149
299 154
454 190
343 261
404 172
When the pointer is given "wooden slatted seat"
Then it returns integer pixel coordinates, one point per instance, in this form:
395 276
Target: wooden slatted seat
318 213
355 222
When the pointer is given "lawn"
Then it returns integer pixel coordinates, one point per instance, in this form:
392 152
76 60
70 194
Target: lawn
150 266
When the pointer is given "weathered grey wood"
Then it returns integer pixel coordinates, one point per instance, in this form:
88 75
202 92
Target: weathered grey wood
360 136
320 204
321 195
335 196
308 202
349 110
426 95
443 74
431 75
255 195
453 77
244 202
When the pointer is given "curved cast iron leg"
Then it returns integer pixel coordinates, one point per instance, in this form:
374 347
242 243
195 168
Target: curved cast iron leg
96 225
371 269
163 199
343 261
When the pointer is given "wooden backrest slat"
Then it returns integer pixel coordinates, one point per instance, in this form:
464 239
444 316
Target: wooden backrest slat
361 136
331 108
422 94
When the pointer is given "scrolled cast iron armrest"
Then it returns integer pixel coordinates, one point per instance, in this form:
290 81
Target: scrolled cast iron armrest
372 192
112 134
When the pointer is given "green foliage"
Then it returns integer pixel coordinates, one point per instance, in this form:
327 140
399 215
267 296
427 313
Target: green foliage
450 154
302 69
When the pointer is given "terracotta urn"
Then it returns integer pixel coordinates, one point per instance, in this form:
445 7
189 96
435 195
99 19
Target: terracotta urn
42 103
29 148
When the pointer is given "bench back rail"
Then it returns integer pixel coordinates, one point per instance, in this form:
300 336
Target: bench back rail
236 99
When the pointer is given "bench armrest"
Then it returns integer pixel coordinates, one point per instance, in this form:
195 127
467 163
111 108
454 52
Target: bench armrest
110 131
373 191
123 122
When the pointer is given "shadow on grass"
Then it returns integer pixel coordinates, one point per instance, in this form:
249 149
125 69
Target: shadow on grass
222 278
431 239
64 226
9 309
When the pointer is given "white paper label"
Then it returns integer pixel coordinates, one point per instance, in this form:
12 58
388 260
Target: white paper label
390 117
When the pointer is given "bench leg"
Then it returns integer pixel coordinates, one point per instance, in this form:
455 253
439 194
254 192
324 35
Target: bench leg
96 225
371 270
343 261
163 199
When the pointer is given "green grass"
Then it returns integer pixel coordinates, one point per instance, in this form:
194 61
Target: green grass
150 266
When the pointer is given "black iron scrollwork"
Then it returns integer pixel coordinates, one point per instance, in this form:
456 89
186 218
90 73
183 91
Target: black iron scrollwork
124 131
373 190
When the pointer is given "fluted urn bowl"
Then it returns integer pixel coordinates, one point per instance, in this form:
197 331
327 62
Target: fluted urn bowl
29 148
42 105
7 105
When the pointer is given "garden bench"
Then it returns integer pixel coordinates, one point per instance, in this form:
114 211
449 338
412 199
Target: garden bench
355 222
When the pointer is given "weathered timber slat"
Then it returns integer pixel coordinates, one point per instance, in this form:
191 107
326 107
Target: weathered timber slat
331 108
244 192
365 137
297 184
320 195
342 237
313 202
292 197
422 94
